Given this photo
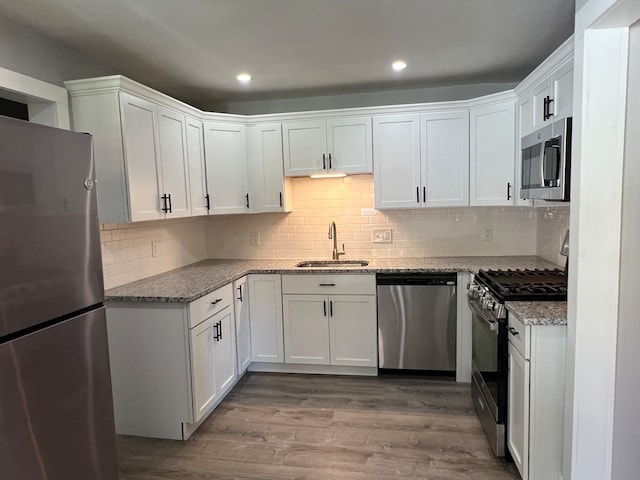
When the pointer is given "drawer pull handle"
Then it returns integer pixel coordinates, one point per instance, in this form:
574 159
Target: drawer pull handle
513 331
326 284
240 293
216 301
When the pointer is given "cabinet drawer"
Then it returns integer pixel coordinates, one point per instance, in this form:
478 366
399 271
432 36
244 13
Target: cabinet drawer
330 284
210 304
520 336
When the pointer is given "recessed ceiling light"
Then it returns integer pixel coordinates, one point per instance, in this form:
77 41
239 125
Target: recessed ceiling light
244 78
398 65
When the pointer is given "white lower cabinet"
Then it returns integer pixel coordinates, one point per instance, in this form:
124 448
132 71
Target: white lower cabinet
243 328
330 320
171 363
536 398
213 364
265 305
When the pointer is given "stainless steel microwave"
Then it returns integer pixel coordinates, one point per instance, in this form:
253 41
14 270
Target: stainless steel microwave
546 162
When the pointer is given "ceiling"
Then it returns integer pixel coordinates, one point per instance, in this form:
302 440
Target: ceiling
193 49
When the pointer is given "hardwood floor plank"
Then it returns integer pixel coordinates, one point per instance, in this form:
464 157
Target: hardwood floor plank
305 427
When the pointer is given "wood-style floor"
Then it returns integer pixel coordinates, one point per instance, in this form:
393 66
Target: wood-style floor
313 427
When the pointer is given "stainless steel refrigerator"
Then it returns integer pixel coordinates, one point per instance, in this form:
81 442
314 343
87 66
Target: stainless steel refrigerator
56 408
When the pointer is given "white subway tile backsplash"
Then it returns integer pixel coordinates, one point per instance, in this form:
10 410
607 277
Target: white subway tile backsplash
428 232
417 232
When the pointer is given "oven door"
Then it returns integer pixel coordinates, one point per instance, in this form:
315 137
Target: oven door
485 356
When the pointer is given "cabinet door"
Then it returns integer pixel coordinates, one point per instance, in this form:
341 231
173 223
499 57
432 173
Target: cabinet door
353 330
243 330
306 329
305 145
203 367
525 103
492 154
265 307
518 411
226 159
224 350
266 179
197 172
539 93
445 159
173 161
350 149
562 106
140 150
396 148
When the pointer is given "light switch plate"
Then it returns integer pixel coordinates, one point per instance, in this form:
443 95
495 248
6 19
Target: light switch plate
382 235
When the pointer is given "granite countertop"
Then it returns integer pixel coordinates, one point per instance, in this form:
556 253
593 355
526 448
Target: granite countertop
194 281
539 313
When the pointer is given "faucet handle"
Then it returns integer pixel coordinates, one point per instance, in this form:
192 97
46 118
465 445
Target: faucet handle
342 252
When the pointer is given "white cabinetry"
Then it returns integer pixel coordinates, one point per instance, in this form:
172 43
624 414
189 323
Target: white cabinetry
197 171
140 149
243 328
547 94
326 146
330 319
536 398
171 363
225 149
265 306
269 190
492 133
421 160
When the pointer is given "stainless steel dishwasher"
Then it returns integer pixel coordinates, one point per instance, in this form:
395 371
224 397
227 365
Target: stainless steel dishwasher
417 322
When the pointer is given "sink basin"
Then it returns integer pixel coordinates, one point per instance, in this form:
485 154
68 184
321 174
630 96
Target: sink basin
332 263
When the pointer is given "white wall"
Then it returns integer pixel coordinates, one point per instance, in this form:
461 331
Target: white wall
553 223
626 421
598 225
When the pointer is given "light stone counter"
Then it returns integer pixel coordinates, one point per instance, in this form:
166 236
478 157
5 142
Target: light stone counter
193 281
539 313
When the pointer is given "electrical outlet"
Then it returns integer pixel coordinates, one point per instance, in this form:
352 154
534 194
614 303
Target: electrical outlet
487 233
382 235
154 249
255 238
368 211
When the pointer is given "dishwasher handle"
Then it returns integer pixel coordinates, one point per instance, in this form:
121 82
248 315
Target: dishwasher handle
446 279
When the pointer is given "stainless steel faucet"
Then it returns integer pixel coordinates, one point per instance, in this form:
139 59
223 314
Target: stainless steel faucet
333 234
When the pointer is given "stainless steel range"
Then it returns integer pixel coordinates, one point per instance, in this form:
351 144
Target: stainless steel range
487 294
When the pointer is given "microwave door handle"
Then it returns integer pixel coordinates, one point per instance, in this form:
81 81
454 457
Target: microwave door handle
543 171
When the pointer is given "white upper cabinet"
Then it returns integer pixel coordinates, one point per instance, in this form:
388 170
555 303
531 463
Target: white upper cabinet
547 94
492 154
326 146
445 158
421 160
157 171
141 168
226 165
269 190
140 150
197 172
174 163
396 175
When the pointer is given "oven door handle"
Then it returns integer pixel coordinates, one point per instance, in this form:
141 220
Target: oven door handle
486 319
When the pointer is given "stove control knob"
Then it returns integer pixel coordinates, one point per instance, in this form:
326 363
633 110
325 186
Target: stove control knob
493 306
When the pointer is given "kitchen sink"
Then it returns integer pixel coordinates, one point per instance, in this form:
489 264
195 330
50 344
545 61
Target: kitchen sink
332 263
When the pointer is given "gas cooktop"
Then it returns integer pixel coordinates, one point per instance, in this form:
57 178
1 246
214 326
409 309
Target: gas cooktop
510 285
